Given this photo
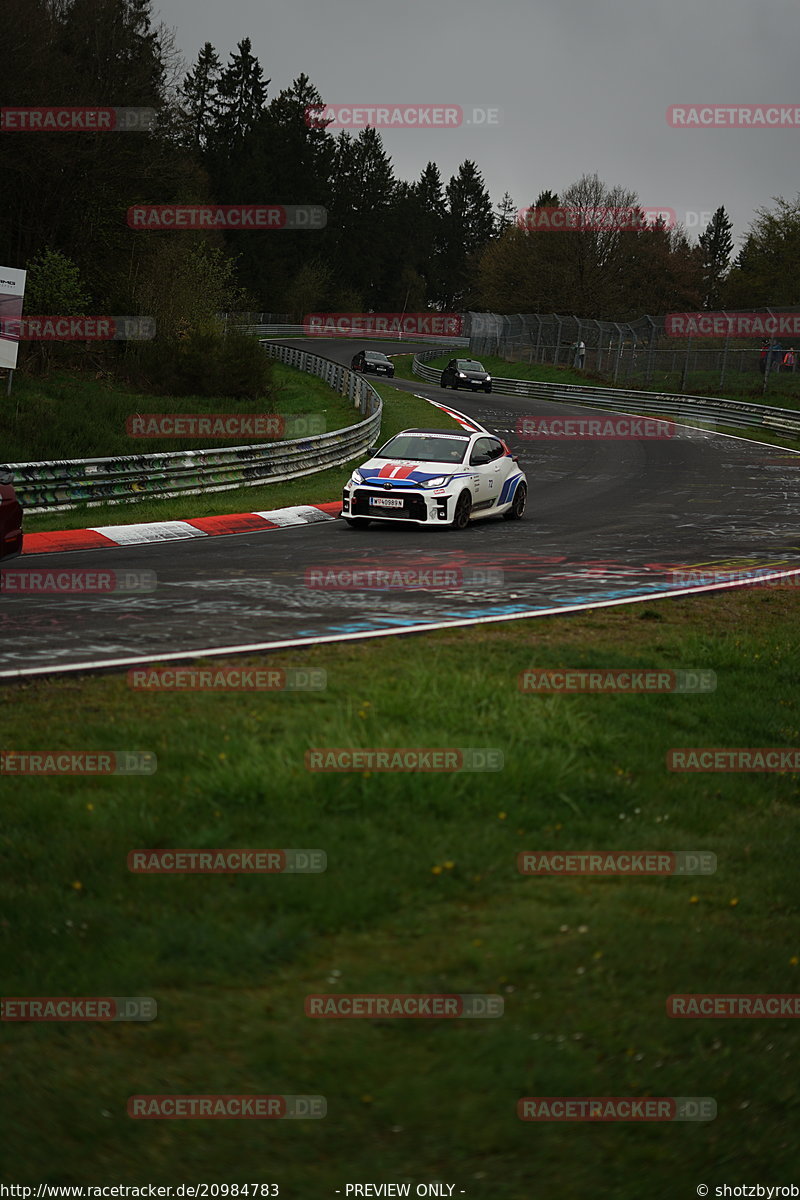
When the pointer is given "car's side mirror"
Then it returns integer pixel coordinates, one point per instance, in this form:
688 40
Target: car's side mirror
479 460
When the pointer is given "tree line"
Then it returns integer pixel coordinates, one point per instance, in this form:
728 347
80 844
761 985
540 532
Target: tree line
222 137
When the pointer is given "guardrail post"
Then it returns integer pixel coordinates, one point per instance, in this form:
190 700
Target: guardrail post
538 336
685 375
650 351
724 358
558 341
619 353
632 359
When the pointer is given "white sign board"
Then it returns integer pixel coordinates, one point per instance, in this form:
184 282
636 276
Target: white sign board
12 291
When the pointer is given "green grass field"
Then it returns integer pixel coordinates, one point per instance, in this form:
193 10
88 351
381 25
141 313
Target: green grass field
421 895
399 412
72 415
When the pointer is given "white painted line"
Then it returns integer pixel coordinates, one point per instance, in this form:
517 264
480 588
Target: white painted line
461 418
155 531
293 643
299 515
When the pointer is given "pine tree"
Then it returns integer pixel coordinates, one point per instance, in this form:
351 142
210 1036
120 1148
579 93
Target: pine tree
716 245
505 215
468 226
199 92
242 96
363 199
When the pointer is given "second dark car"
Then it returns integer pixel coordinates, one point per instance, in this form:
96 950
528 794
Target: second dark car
372 362
465 372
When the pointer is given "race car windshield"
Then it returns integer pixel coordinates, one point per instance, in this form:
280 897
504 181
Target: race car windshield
375 357
425 449
466 364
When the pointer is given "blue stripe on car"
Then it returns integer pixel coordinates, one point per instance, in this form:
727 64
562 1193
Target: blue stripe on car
509 487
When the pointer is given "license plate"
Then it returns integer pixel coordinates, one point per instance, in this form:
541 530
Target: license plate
386 502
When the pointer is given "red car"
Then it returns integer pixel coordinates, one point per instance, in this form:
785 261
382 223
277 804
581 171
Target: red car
10 518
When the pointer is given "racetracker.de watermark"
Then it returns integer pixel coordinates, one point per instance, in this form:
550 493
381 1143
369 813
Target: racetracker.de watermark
617 1108
226 1108
227 862
66 582
727 759
755 577
379 324
617 862
593 219
260 217
404 759
76 120
760 1005
734 116
228 679
736 324
372 1005
403 116
272 426
397 578
78 762
615 428
78 1008
78 329
550 680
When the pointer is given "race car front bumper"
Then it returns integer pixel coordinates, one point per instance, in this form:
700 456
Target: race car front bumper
424 507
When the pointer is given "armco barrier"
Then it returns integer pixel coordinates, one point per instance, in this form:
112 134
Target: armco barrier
60 485
735 413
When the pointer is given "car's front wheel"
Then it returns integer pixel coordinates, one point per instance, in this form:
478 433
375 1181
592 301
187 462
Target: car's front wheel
444 382
487 388
517 504
357 522
462 512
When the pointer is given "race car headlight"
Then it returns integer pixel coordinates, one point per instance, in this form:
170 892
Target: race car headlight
356 477
461 375
439 481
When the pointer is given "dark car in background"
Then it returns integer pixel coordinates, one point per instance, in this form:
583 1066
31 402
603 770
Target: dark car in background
372 362
465 372
10 518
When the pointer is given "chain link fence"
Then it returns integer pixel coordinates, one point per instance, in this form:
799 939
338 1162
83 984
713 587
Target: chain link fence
637 352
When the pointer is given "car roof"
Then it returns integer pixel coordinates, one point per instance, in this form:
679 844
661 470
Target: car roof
441 432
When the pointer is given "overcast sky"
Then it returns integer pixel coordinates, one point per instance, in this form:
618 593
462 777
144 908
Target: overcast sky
582 86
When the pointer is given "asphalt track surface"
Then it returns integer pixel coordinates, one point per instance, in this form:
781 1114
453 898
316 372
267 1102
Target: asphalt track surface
607 522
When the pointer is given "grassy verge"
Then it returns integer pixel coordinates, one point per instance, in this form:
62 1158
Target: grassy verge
400 411
71 415
784 393
542 373
421 894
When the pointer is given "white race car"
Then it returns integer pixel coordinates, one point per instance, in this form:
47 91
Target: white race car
432 477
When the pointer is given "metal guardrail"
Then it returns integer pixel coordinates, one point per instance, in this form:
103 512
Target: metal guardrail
61 485
710 409
293 331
